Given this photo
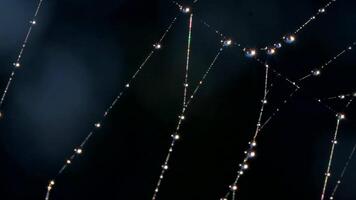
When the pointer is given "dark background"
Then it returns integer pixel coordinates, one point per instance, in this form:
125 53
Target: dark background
82 52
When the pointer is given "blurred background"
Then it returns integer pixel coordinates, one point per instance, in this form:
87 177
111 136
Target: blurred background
81 54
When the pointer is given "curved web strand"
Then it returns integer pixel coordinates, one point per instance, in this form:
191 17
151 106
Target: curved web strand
176 135
288 38
79 150
245 50
181 116
250 153
187 100
17 63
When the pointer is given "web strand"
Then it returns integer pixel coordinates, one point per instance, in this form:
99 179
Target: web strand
299 88
176 135
186 85
288 38
252 54
79 150
250 153
328 169
346 165
17 63
341 177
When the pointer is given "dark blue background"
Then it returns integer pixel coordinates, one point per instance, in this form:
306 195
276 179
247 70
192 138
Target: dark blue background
82 52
